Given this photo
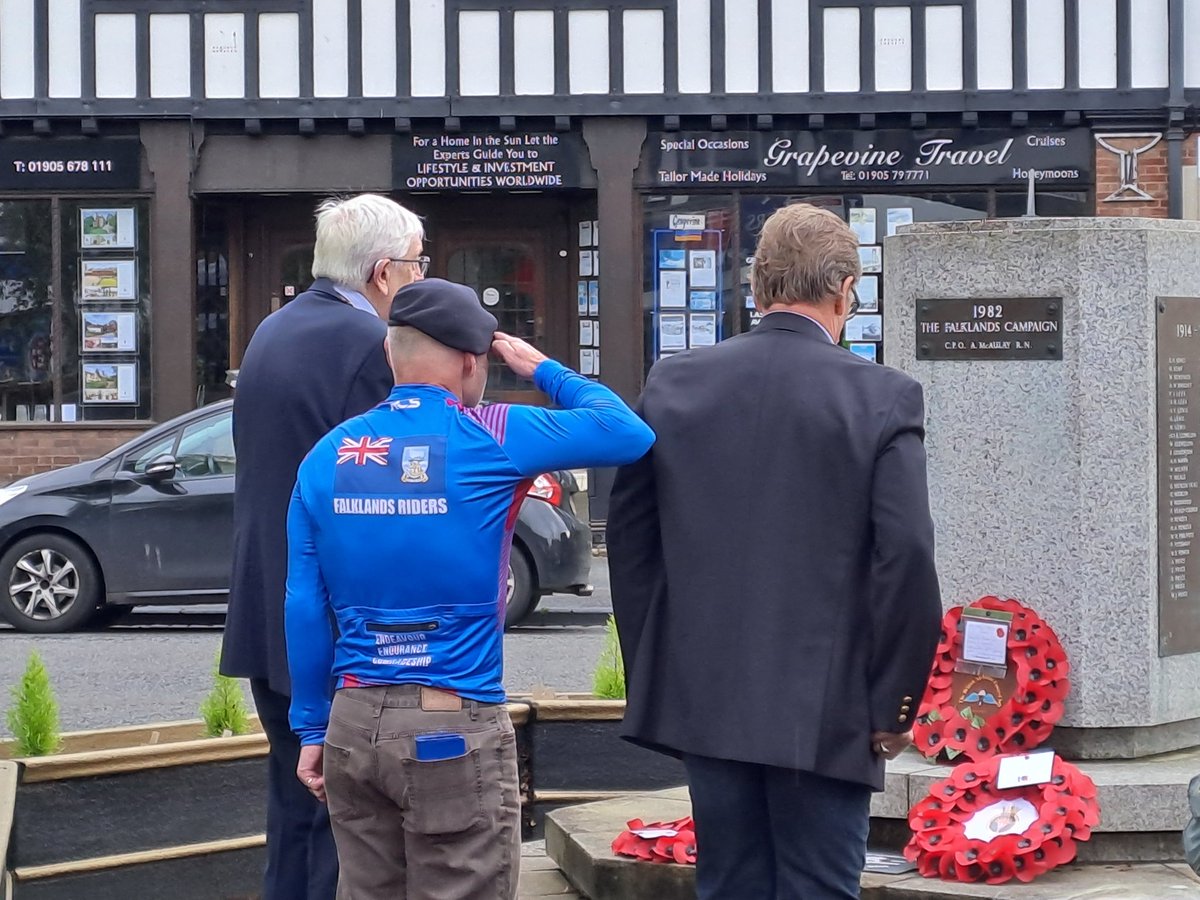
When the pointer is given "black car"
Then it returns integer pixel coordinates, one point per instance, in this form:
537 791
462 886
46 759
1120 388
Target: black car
152 523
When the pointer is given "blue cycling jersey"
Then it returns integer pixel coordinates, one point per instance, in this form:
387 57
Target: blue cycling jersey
401 525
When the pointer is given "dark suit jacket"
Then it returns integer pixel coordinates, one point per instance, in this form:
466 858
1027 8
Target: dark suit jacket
772 557
310 366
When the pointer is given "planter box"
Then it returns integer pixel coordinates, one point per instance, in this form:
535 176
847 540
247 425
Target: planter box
577 756
123 812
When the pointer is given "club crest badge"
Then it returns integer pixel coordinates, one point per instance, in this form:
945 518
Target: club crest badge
415 462
983 691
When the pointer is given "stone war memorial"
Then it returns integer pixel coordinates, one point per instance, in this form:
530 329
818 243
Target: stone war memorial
1060 360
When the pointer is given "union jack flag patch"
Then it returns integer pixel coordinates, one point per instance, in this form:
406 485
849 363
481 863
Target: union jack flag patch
364 449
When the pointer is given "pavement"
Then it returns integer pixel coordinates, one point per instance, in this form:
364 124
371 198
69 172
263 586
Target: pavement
540 877
580 840
156 666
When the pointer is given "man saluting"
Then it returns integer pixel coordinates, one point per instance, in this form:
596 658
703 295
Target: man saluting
401 525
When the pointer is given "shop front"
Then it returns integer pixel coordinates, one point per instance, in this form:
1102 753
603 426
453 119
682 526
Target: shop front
160 164
705 197
503 212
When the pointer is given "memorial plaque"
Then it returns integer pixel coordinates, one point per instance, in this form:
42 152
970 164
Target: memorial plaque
1178 475
999 328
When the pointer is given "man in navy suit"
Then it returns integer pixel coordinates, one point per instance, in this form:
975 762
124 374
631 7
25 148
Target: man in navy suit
310 366
786 665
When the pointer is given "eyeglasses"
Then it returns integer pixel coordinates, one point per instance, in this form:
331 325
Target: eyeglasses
854 304
422 262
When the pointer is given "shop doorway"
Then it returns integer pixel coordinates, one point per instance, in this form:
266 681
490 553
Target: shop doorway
514 251
508 273
291 258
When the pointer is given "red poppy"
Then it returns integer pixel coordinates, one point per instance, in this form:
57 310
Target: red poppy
1066 812
677 845
1040 668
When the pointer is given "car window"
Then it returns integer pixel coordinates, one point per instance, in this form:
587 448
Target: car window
206 448
139 459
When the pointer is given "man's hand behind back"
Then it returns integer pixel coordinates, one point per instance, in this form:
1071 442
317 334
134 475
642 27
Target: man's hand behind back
521 357
890 745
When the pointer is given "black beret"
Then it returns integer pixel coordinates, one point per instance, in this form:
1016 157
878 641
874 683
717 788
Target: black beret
449 313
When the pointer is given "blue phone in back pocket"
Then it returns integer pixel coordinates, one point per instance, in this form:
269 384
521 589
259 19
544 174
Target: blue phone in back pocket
434 747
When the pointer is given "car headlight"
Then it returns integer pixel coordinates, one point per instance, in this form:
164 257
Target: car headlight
11 492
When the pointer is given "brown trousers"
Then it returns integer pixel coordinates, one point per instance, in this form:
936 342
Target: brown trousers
412 830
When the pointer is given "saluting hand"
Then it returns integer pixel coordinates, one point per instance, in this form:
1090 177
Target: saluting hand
521 357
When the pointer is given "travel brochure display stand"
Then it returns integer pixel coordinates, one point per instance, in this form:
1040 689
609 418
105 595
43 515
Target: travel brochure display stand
589 298
688 278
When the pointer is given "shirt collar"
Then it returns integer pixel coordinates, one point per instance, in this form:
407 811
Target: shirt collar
792 312
355 299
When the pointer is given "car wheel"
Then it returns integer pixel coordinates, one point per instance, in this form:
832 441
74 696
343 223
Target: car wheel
519 600
50 584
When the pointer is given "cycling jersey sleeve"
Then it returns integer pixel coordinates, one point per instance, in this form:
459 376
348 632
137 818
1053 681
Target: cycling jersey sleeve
309 638
594 427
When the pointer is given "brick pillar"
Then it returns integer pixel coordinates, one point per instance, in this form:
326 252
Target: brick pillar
1152 177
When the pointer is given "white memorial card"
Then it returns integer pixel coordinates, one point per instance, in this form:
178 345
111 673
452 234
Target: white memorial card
1024 769
985 640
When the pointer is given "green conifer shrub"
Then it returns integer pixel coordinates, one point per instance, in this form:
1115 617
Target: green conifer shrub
224 709
33 715
609 681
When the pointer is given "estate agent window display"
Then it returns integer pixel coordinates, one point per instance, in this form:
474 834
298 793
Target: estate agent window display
74 313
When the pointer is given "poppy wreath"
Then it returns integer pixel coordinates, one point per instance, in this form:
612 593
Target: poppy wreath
945 728
1066 812
679 847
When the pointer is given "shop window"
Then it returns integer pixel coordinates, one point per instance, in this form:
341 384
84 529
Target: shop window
212 307
729 226
873 217
26 311
105 310
74 310
691 272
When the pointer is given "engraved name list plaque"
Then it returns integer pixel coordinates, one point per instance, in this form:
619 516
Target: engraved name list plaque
1178 475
